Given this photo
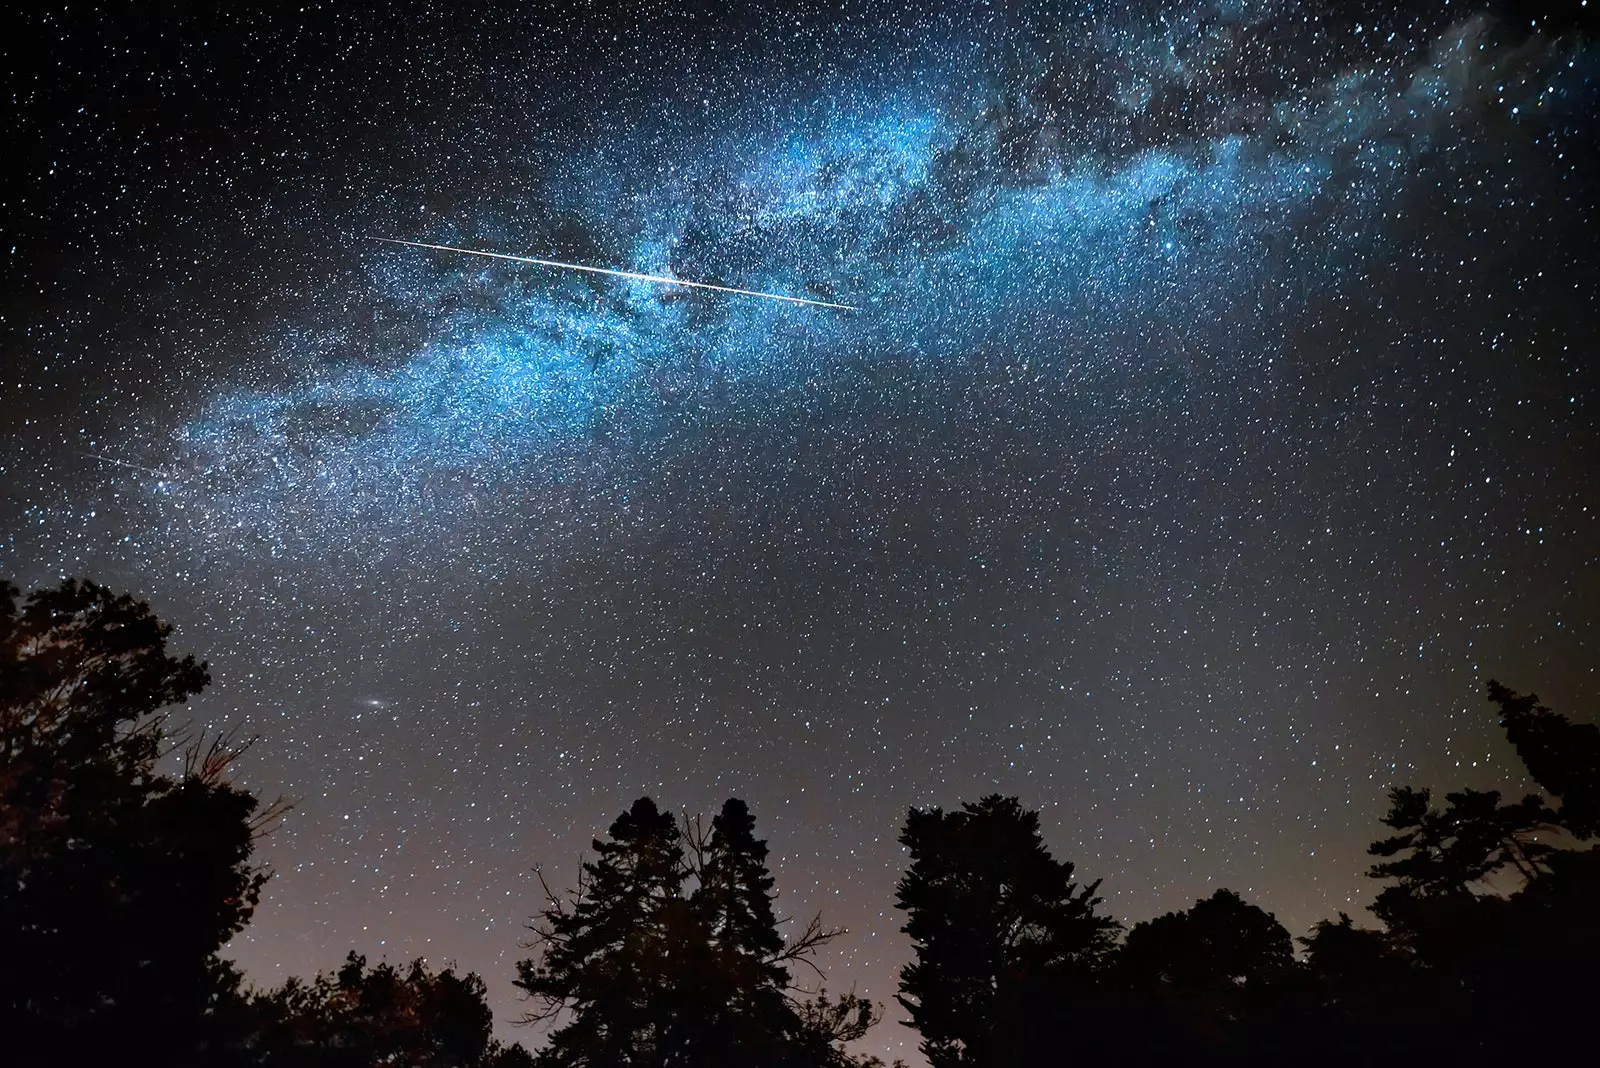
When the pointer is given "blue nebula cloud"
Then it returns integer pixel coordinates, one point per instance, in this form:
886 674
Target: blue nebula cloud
1126 226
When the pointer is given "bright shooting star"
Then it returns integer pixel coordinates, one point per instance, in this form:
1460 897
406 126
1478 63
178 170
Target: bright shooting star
636 276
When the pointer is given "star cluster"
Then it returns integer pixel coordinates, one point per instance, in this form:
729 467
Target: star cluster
1219 410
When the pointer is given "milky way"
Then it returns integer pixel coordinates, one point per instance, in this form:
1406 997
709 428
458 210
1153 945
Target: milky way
1218 413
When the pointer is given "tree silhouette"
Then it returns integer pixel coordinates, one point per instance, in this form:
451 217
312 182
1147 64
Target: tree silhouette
1205 979
735 894
1492 930
1562 756
1442 855
607 958
118 883
1346 959
646 974
125 868
741 1012
357 1017
1000 930
1343 952
1362 991
1220 942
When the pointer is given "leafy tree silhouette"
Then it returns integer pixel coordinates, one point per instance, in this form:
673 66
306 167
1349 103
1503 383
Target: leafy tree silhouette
118 883
1206 979
1346 958
1001 932
1361 991
416 1018
1220 943
1483 899
645 974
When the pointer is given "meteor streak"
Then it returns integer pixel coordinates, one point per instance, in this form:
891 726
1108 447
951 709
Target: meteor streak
124 463
636 276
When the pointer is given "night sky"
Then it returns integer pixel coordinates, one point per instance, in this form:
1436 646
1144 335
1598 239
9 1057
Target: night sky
1222 408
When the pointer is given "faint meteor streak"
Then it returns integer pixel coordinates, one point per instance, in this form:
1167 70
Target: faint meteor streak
122 463
636 276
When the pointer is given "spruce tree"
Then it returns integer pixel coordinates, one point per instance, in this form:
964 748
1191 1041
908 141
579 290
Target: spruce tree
744 1016
649 977
736 893
611 958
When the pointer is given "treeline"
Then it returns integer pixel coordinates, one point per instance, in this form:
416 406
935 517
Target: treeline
127 862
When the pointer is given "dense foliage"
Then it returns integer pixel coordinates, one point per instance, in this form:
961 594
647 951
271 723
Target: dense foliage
119 883
127 863
1487 950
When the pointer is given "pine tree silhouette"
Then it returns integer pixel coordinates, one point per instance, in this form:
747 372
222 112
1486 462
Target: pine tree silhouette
607 956
646 975
1562 756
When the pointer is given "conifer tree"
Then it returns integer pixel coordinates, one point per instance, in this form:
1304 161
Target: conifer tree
1442 855
1000 931
744 1014
735 893
1562 756
611 957
647 975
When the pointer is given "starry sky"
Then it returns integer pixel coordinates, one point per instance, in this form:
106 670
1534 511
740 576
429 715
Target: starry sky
1221 409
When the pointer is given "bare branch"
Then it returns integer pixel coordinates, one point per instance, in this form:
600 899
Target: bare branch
803 947
269 816
696 843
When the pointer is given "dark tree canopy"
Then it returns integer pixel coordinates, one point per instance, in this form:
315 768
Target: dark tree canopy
1483 898
1346 957
998 926
1562 756
413 1017
1444 856
125 868
1221 943
1203 982
1487 950
118 882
